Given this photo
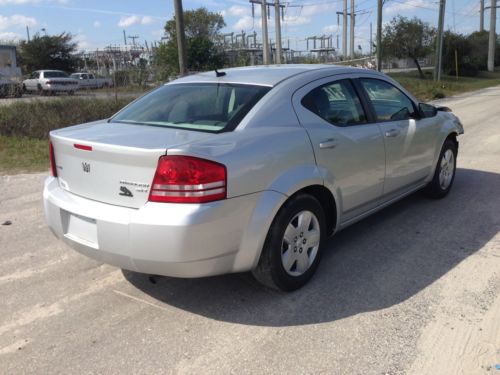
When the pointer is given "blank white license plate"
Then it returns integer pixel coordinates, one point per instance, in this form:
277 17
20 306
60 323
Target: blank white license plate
81 229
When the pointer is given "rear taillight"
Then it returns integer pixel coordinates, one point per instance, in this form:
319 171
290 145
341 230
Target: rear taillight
186 179
49 82
52 160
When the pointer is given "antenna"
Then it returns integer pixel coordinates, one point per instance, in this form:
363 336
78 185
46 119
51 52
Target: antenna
219 74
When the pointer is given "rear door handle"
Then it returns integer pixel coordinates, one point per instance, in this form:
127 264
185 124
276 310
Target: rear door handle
329 143
392 133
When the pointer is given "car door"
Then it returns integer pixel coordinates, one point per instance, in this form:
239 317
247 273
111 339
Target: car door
32 82
409 138
347 146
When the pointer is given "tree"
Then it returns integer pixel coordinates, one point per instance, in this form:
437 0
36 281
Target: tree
48 52
202 29
403 38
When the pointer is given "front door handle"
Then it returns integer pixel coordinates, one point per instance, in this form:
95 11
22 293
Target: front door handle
329 143
392 133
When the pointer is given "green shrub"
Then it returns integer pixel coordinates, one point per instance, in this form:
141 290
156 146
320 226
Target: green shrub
37 118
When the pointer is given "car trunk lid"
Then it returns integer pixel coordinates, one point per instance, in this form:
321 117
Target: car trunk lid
113 163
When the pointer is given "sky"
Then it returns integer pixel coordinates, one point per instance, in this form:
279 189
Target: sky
97 24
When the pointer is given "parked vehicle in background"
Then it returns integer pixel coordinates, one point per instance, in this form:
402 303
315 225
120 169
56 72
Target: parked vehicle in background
90 81
9 87
248 169
50 82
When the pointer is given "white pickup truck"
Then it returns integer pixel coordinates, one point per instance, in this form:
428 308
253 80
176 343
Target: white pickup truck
49 82
90 81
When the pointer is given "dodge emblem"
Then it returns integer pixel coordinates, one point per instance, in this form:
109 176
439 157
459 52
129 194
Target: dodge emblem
86 167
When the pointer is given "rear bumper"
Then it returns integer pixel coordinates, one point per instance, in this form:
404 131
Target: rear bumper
180 240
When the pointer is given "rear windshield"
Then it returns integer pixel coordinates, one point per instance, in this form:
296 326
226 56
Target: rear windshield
54 75
209 107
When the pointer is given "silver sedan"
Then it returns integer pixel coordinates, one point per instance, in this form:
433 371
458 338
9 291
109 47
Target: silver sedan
250 169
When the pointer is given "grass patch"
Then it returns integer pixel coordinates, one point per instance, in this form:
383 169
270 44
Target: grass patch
23 155
35 119
24 127
427 89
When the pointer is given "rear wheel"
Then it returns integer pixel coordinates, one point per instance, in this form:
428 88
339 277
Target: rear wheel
292 249
71 92
444 175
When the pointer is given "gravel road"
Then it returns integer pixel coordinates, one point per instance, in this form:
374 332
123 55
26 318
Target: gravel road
414 289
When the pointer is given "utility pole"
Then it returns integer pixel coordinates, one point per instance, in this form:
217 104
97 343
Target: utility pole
439 41
344 30
481 15
265 38
492 38
379 35
133 37
277 21
181 38
352 29
371 40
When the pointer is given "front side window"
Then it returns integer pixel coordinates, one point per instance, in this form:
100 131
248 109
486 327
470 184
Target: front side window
336 103
35 75
207 107
389 103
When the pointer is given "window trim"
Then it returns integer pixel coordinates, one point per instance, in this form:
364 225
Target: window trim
367 111
369 103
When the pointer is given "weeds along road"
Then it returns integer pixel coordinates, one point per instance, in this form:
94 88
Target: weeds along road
414 289
103 94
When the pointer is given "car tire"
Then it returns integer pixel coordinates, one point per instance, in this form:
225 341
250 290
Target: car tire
444 175
71 93
285 263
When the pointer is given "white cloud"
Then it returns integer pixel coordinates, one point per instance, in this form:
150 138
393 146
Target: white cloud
129 21
9 37
97 24
237 11
16 20
147 20
82 42
409 5
136 20
330 29
246 22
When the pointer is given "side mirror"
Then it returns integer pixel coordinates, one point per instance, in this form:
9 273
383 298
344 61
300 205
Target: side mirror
427 110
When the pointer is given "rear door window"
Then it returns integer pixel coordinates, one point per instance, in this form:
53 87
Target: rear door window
389 103
337 103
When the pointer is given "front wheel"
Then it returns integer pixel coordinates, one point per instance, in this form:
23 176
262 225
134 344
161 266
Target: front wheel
293 245
444 175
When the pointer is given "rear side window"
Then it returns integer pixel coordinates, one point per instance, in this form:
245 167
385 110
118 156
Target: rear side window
337 103
207 107
389 103
54 74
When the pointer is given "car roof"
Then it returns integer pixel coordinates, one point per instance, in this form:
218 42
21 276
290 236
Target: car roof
48 70
265 75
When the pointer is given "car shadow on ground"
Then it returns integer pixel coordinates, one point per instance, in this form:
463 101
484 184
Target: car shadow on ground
374 264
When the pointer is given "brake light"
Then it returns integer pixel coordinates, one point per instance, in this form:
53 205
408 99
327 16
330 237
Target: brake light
49 82
187 179
52 160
